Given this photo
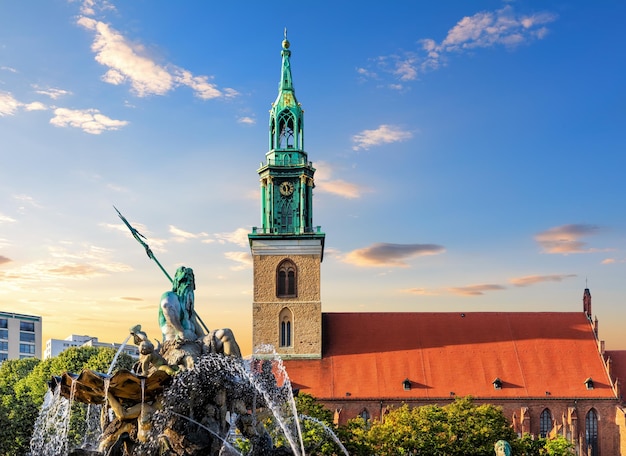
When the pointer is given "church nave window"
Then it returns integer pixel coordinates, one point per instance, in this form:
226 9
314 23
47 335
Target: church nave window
545 423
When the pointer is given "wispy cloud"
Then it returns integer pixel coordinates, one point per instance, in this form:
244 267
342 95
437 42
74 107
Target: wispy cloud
476 290
6 219
384 134
325 183
64 261
4 260
182 235
89 120
244 260
130 63
390 255
8 104
52 92
26 200
238 237
566 239
535 279
502 27
246 120
482 288
420 291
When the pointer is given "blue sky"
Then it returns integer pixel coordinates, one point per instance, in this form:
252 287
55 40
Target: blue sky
469 155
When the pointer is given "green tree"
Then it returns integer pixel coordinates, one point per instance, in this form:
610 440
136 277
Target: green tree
461 428
24 383
316 424
559 446
555 446
354 436
17 412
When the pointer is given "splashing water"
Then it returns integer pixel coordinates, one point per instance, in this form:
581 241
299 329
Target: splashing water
225 443
220 394
117 355
268 352
329 432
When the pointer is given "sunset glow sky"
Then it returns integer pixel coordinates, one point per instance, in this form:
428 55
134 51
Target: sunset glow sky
469 155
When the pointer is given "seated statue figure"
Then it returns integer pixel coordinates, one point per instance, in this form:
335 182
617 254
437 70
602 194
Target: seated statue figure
179 322
177 316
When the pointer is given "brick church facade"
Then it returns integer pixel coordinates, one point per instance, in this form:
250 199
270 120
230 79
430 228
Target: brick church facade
547 370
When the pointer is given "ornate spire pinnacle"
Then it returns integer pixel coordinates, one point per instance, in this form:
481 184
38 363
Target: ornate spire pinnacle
286 83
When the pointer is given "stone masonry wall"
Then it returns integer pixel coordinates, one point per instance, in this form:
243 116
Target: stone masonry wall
306 307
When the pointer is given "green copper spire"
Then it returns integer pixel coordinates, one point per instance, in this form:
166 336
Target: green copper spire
286 113
287 176
286 83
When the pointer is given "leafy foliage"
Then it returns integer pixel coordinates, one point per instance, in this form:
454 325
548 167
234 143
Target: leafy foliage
24 383
556 446
460 428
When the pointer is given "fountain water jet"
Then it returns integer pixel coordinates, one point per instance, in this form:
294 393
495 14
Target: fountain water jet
181 396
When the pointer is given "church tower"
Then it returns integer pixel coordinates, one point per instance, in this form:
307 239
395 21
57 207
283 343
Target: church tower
287 250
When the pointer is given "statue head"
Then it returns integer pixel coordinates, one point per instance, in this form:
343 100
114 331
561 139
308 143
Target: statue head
502 448
183 278
146 347
183 285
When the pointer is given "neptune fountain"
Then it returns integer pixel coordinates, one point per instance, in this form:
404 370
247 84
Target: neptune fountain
189 394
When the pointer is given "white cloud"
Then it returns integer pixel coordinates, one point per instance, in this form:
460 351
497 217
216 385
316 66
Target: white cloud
182 236
200 84
484 29
566 239
6 219
27 199
8 104
125 61
246 120
35 106
239 237
243 258
130 63
88 120
324 183
384 134
52 92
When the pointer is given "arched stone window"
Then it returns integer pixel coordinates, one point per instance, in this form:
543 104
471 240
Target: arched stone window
591 433
286 327
365 415
545 423
286 280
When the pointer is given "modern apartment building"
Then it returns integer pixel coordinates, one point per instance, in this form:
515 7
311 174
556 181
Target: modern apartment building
20 336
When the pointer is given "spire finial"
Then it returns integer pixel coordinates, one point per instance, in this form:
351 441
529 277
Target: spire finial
285 41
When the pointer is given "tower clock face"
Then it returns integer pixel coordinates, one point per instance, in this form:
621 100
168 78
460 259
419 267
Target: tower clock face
286 188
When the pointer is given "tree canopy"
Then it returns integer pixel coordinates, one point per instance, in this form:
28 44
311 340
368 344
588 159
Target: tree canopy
24 383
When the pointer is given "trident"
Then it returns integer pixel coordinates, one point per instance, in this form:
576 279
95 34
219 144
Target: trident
138 236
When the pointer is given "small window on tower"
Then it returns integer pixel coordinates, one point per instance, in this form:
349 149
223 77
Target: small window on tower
286 327
286 276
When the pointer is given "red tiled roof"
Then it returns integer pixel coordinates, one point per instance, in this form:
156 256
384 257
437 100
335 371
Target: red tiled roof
368 355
